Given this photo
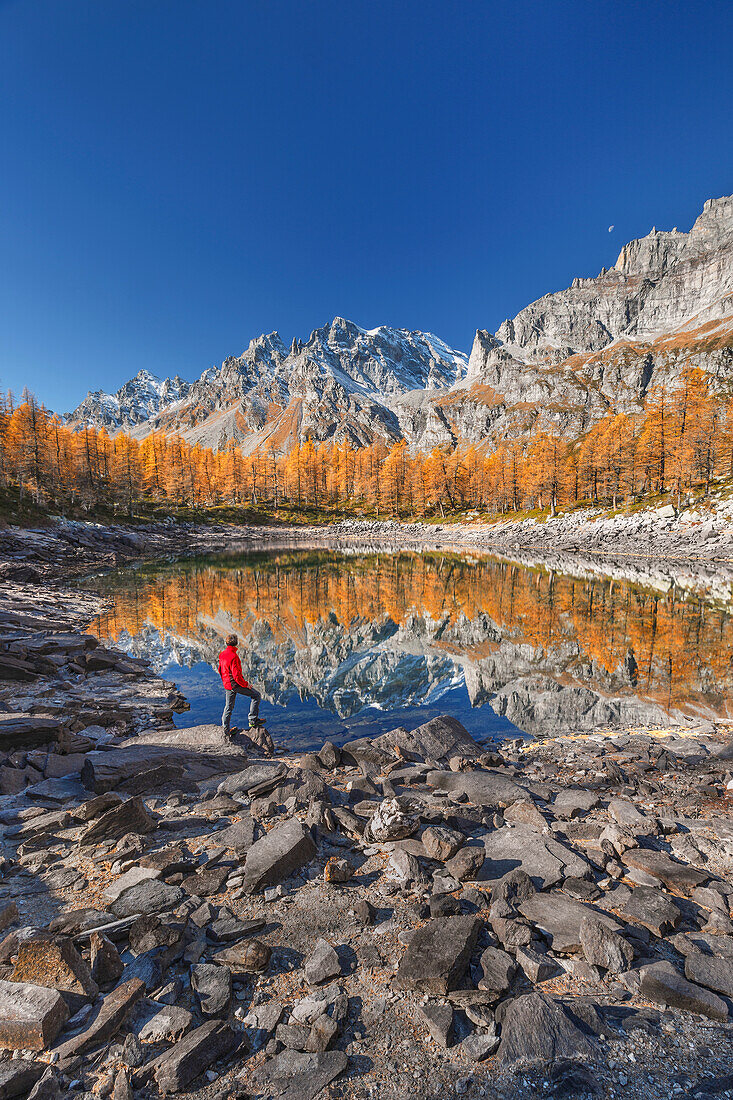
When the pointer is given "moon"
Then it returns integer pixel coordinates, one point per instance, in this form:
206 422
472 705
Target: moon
611 228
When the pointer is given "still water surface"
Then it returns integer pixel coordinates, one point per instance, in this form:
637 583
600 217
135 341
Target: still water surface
342 645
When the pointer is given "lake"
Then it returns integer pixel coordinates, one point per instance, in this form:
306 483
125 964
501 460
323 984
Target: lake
347 644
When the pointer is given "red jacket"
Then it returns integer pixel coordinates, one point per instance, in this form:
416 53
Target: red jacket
230 669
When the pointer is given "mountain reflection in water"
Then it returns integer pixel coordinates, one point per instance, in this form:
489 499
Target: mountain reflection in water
362 642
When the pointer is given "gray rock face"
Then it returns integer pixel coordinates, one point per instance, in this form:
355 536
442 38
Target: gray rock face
239 837
441 843
439 1021
488 789
438 954
715 974
652 909
498 970
342 383
214 987
439 740
604 948
561 919
537 1028
18 1077
30 1016
139 400
301 1076
322 964
178 1067
660 982
149 896
270 860
167 1025
604 341
666 870
545 860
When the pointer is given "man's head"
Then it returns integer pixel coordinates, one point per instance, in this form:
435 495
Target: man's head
233 640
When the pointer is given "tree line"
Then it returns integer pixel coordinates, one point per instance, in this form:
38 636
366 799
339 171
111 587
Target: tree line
682 439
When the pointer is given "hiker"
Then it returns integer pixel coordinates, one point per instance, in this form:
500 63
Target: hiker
235 684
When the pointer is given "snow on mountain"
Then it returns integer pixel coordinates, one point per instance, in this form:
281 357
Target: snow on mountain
341 383
134 403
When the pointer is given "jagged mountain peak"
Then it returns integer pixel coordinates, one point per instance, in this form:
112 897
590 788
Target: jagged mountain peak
137 401
574 355
561 363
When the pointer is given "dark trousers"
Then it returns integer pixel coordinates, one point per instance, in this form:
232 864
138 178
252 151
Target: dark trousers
254 706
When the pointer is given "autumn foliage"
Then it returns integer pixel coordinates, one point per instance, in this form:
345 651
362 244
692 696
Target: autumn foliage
682 439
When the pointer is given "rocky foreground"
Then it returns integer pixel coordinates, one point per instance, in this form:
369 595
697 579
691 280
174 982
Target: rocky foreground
411 915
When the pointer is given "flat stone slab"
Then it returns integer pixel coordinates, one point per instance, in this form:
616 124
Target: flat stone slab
31 1016
545 860
130 878
176 1068
295 1076
148 896
242 781
127 817
652 909
18 1077
283 850
168 1025
662 983
715 974
674 875
438 954
482 788
107 1021
537 1028
439 739
624 812
239 837
574 803
561 919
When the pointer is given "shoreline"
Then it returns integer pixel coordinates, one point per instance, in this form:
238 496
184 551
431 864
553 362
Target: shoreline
126 856
652 542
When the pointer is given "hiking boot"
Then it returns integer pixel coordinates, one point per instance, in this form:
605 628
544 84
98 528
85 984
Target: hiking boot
256 724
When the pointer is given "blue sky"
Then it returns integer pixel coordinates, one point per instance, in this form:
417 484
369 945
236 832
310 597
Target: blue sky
179 176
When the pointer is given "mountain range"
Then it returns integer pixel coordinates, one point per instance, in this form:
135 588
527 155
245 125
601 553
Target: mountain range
561 364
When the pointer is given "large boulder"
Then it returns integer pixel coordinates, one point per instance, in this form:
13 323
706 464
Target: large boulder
537 1028
439 740
55 963
561 919
149 896
674 875
293 1075
662 983
438 954
176 1068
715 974
544 859
31 1016
492 790
125 817
274 857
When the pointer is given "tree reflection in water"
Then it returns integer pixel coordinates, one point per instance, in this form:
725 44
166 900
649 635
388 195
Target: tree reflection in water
390 631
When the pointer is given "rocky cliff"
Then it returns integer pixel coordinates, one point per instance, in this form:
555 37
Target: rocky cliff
570 357
561 363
